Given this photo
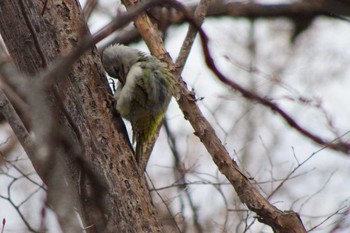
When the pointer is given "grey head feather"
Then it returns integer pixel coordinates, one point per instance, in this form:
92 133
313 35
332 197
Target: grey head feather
118 59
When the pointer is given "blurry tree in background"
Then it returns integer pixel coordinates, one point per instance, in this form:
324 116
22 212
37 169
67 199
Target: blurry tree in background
263 88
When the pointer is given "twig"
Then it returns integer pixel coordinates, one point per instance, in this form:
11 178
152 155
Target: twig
327 218
17 126
166 206
17 207
3 225
337 226
199 15
88 8
43 152
172 144
340 146
293 171
176 155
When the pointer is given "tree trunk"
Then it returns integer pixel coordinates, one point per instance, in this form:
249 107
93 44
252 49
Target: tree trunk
112 195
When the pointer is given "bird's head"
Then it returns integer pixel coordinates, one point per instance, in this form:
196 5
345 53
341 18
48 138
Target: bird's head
118 59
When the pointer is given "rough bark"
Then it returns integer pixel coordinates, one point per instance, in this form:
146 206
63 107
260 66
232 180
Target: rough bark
83 108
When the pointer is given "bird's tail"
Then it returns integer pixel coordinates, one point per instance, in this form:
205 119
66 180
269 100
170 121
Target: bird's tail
142 136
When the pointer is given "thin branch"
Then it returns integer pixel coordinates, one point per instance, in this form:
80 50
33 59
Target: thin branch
329 217
125 36
30 228
16 124
293 171
27 176
29 196
339 146
3 225
178 170
338 226
251 10
45 157
317 192
207 182
222 194
166 205
199 16
88 8
173 147
16 207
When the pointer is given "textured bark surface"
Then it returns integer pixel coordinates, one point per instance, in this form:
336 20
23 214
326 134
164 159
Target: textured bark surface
34 42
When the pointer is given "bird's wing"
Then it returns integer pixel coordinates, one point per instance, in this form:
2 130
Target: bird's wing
144 84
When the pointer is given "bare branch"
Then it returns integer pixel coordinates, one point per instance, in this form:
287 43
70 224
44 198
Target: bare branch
338 146
279 186
89 7
166 206
3 225
16 124
199 16
9 197
40 151
297 11
181 176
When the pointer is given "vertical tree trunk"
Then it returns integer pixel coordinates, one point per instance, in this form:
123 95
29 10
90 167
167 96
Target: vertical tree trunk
83 108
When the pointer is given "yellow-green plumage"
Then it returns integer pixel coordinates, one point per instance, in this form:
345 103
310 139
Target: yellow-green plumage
144 93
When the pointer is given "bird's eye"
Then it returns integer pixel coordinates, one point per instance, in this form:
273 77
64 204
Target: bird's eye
116 70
